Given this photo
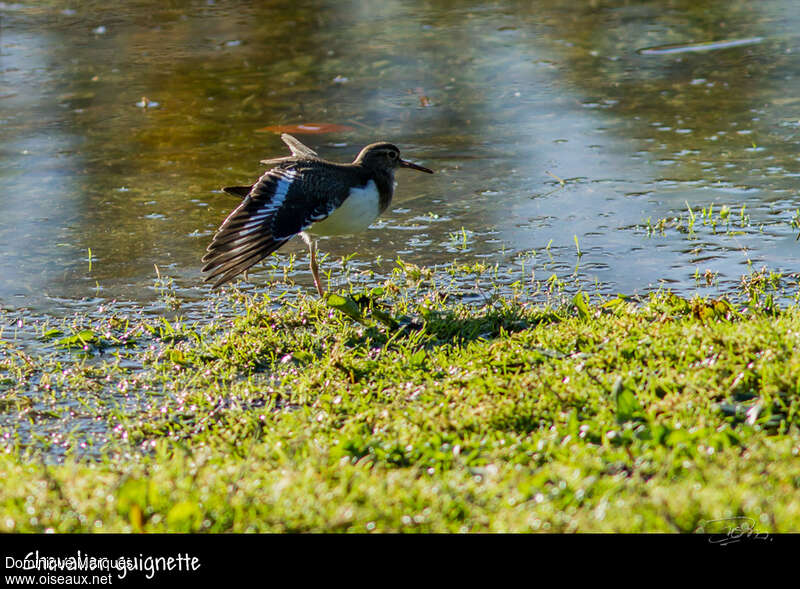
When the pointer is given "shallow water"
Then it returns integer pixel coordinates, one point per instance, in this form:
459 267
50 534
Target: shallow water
546 123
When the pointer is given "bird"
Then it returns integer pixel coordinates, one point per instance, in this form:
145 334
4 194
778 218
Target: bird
306 195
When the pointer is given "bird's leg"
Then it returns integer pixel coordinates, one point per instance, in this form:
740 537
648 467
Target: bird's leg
315 269
312 250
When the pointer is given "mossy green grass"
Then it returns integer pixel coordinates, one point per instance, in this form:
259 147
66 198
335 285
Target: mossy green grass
406 408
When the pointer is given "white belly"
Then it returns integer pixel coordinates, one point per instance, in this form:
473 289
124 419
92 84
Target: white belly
357 212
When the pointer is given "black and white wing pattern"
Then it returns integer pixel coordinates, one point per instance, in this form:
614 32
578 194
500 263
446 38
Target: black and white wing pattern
285 201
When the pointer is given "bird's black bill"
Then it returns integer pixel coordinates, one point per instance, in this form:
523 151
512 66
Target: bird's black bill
405 164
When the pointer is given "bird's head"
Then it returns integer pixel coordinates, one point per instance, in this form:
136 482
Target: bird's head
385 156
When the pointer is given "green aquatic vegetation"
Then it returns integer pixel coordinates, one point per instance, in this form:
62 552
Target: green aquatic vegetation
722 222
707 278
460 239
659 226
691 221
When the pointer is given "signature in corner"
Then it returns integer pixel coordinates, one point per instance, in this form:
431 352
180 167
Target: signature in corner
730 530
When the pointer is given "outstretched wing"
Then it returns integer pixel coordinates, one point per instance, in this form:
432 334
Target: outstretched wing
285 201
246 237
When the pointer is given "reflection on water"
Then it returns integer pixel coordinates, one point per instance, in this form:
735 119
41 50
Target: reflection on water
545 122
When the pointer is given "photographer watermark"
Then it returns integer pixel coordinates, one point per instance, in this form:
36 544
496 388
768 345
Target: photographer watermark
730 530
103 569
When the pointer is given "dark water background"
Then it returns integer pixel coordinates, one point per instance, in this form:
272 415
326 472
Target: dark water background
503 99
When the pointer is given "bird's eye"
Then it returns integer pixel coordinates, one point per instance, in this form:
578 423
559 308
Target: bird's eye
392 155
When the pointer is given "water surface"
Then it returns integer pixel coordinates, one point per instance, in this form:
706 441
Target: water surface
546 122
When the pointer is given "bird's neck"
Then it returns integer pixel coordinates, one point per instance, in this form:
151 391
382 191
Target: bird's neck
384 180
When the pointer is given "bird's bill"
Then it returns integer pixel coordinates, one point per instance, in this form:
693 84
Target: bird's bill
405 164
